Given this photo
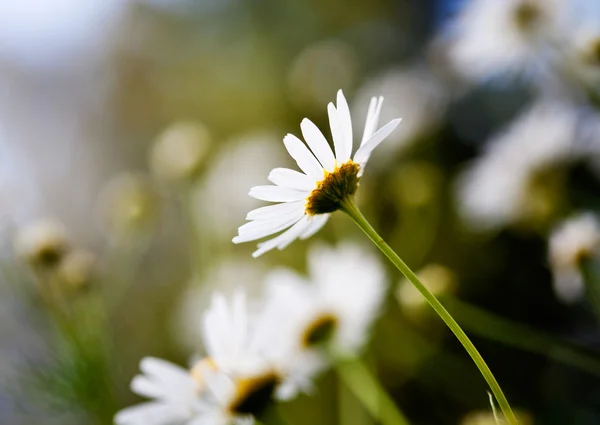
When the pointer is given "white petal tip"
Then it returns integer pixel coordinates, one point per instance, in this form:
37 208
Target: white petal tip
236 240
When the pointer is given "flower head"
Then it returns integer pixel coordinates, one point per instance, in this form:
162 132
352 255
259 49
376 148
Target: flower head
328 314
572 242
305 199
510 36
42 243
507 184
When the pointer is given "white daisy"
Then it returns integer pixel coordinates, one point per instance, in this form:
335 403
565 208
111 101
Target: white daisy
499 187
174 392
333 309
571 243
307 198
243 348
493 37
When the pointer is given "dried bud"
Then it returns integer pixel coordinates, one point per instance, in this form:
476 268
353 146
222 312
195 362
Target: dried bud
42 243
179 151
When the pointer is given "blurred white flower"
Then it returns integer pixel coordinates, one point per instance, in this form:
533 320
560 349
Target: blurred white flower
306 199
42 243
328 314
174 392
411 93
496 189
247 354
572 242
495 37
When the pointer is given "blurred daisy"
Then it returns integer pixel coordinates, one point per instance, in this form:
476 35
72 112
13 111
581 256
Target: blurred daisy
244 348
42 243
174 391
307 198
504 184
494 37
571 243
331 312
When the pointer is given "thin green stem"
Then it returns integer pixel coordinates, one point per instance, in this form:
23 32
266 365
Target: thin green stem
359 379
350 208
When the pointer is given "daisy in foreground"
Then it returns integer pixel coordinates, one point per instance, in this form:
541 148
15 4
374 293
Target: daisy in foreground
306 199
236 381
328 183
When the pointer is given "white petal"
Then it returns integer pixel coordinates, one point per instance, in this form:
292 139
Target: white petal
284 239
316 224
270 211
143 386
277 194
291 179
304 158
151 413
345 124
260 229
318 144
372 119
336 133
363 153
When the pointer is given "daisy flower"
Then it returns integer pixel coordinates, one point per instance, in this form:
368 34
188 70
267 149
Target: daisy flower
333 309
504 185
246 363
493 37
571 243
174 391
306 199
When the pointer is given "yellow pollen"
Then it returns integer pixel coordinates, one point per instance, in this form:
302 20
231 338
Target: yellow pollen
335 187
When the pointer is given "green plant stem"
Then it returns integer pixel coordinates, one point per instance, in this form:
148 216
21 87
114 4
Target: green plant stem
359 379
494 327
350 208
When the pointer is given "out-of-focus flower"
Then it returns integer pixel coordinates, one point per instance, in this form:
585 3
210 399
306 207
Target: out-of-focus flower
571 243
328 314
127 202
319 70
251 156
306 199
179 151
174 392
488 418
244 349
42 243
77 269
504 185
437 278
494 37
411 93
584 59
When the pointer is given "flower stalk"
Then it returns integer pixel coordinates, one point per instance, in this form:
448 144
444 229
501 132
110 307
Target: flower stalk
350 208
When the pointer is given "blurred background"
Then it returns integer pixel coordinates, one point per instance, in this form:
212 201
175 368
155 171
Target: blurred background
132 130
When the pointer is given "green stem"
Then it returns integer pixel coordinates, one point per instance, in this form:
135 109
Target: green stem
350 208
359 379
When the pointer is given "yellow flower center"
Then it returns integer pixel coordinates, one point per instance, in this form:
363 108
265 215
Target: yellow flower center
333 189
